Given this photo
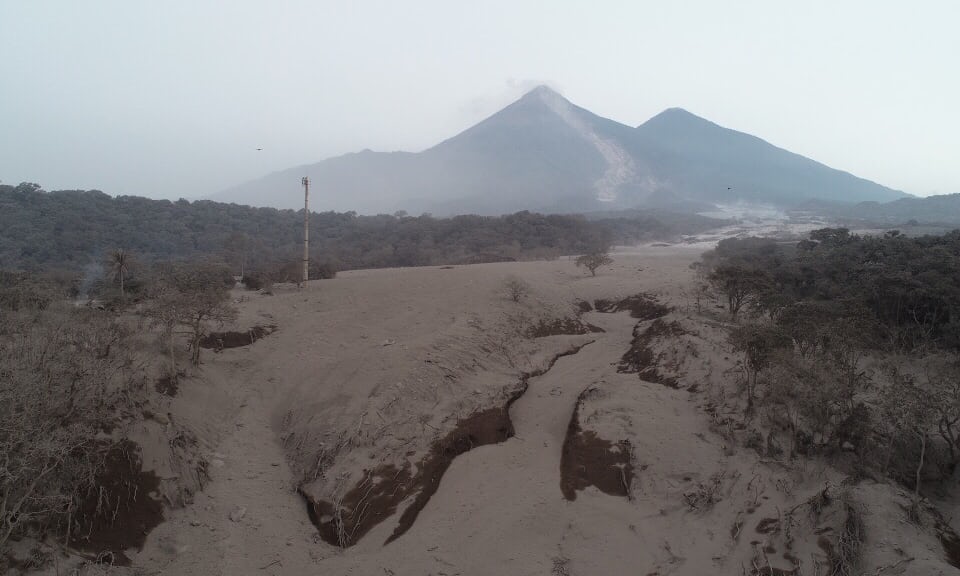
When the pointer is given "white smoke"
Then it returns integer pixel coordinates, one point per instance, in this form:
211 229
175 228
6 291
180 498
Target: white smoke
620 167
91 272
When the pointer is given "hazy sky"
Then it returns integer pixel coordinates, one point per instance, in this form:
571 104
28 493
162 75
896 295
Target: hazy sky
171 99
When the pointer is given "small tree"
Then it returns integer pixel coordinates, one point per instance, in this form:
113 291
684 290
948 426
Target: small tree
740 284
909 410
594 259
164 310
758 343
947 405
516 288
191 297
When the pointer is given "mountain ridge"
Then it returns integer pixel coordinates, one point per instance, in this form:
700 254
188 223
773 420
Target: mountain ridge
545 153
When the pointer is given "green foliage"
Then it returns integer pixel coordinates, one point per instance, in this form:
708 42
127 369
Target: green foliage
68 229
740 284
903 290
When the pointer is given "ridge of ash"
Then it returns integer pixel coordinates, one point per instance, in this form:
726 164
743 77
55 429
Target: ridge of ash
381 491
221 340
641 306
588 460
640 358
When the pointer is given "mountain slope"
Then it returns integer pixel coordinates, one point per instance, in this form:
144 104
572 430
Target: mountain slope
943 209
708 162
544 153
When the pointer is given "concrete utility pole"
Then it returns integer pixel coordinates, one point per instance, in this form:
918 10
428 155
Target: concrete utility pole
306 228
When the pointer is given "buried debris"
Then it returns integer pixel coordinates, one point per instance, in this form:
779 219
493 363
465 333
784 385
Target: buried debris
221 340
561 327
169 384
641 306
640 358
588 460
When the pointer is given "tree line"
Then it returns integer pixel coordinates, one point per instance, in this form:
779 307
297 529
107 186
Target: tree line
70 229
906 288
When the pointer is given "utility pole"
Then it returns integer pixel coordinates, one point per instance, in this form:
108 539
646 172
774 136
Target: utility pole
306 228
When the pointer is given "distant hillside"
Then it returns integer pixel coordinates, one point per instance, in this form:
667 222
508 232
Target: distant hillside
544 153
72 229
933 210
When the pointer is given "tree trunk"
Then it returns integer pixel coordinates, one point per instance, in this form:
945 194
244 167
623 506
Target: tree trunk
923 453
197 326
196 350
123 297
173 357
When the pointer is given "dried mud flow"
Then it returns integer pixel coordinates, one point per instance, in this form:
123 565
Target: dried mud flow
381 491
120 513
562 327
641 306
222 340
588 460
640 359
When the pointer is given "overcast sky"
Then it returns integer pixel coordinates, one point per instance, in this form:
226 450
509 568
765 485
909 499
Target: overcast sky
172 99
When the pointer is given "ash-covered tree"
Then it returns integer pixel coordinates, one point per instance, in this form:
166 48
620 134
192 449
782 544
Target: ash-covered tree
758 343
909 411
516 288
598 255
191 297
739 284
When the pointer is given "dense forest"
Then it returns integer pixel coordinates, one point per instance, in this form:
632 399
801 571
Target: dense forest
850 344
71 229
905 289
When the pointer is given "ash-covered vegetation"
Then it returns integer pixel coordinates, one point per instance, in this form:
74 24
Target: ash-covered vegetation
75 383
70 229
849 345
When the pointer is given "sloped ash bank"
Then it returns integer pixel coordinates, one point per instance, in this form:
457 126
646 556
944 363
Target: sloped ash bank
381 491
